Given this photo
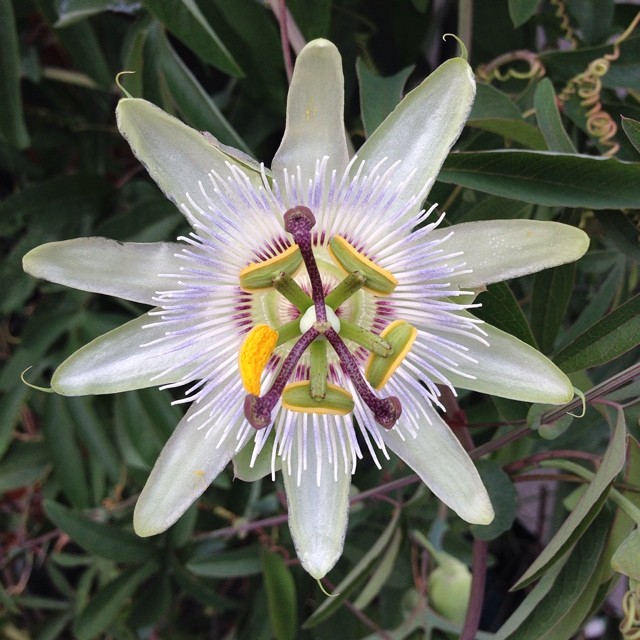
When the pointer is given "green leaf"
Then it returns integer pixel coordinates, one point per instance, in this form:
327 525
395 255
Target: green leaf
70 11
107 604
544 177
494 208
230 564
588 506
356 577
566 595
198 590
68 462
632 129
493 103
10 409
92 431
281 596
148 610
185 20
313 17
379 95
521 11
12 125
104 540
24 464
501 309
547 430
618 228
503 498
552 289
548 118
514 130
607 339
381 574
198 109
595 19
596 307
81 42
623 73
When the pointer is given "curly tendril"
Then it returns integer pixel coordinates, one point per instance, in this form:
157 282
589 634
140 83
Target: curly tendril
494 70
588 88
630 623
565 23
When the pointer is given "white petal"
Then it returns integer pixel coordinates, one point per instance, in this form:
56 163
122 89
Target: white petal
424 126
437 456
498 250
318 513
315 114
249 466
188 464
176 156
510 368
125 270
117 362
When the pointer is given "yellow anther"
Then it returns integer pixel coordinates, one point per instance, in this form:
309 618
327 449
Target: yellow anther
259 275
255 351
378 280
401 335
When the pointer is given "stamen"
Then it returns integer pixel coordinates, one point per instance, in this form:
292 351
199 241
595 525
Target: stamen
258 276
385 410
318 369
367 339
298 222
401 336
284 284
380 281
258 410
350 285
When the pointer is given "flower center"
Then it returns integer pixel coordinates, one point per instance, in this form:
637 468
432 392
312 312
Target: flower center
318 326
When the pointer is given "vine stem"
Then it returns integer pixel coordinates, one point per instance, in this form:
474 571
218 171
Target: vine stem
476 597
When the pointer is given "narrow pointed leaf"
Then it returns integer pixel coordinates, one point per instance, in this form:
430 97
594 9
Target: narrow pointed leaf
107 604
71 11
12 125
549 120
281 596
552 289
547 178
568 597
185 20
355 577
503 498
610 337
69 465
587 509
632 129
501 309
193 101
512 130
99 538
230 564
378 95
381 573
521 11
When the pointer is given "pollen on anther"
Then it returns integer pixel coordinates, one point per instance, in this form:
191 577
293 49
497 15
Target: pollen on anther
255 351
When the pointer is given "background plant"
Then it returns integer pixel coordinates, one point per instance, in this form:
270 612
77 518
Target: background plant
559 91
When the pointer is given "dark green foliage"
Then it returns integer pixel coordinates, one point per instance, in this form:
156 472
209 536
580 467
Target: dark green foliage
72 468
